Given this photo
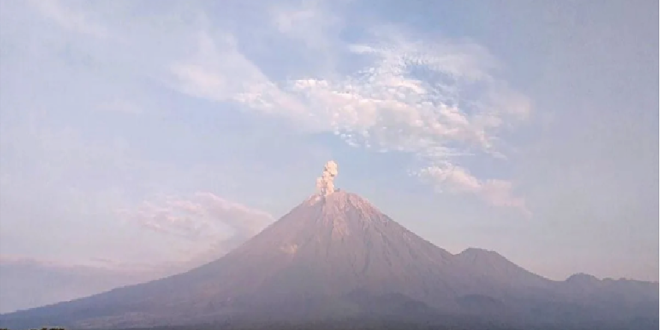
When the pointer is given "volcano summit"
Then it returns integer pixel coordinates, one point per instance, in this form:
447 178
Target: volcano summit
336 257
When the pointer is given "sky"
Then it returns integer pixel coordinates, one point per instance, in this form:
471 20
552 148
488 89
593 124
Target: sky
137 134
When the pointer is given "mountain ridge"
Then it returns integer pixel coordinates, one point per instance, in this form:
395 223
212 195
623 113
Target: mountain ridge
335 255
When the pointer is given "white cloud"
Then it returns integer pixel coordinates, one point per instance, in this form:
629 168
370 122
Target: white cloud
435 100
219 72
313 23
458 180
203 218
70 18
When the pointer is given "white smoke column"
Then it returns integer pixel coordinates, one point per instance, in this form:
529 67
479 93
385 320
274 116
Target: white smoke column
325 185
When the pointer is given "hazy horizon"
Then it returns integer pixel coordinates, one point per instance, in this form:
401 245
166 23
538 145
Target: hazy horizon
150 136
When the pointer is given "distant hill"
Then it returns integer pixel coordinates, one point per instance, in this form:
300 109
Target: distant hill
27 283
336 258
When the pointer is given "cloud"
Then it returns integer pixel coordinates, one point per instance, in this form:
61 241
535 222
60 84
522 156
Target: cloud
245 221
437 100
459 181
202 219
390 90
93 264
312 23
417 97
71 18
219 72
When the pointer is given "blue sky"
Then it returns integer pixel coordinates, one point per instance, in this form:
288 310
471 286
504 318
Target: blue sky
145 133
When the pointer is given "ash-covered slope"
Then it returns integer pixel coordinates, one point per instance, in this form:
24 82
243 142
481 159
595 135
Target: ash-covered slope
336 256
333 248
331 245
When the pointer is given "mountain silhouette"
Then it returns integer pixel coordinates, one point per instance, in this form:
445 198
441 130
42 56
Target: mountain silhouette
336 257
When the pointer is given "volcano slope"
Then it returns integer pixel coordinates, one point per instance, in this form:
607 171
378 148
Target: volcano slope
337 257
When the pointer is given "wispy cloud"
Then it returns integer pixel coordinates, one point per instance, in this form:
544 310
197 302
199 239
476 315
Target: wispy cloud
443 104
311 23
219 72
71 18
435 100
459 181
431 97
203 218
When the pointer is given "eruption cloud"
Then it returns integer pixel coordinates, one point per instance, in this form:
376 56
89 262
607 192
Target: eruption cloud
325 183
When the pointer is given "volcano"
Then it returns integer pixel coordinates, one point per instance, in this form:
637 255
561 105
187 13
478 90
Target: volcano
337 257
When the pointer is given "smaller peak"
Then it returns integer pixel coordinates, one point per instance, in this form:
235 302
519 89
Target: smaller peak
582 278
471 251
477 254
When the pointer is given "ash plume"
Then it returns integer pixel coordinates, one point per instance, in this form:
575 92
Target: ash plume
324 184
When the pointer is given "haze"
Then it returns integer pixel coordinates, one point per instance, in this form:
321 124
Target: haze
147 137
